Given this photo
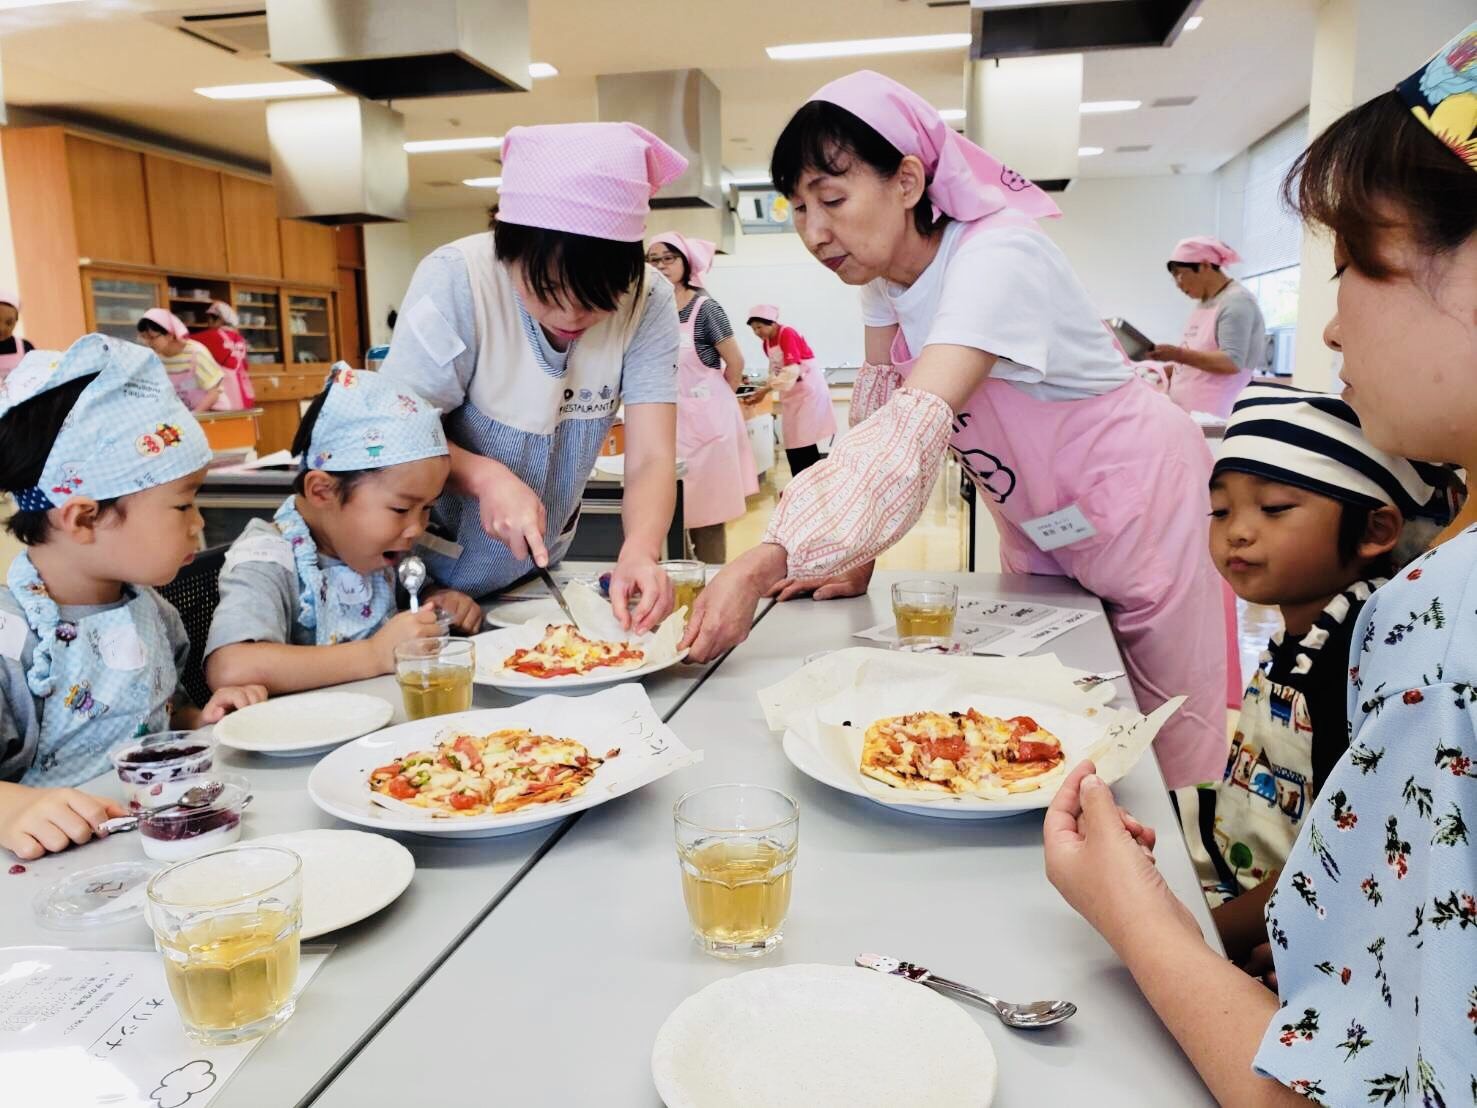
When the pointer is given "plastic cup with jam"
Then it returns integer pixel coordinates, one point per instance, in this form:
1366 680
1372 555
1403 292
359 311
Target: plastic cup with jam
151 766
174 834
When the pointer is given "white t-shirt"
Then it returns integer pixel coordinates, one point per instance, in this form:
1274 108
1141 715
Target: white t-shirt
1009 292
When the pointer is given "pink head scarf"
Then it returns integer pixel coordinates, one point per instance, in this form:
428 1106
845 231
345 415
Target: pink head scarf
770 312
11 298
965 182
169 321
223 312
698 252
592 179
1203 248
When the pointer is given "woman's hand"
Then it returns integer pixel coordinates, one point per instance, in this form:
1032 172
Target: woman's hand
1164 352
724 612
1101 860
853 582
510 511
639 573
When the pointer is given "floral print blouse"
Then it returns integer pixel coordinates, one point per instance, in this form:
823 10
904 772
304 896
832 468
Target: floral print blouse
1374 921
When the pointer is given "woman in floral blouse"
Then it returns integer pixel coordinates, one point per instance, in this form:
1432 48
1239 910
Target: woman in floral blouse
1374 921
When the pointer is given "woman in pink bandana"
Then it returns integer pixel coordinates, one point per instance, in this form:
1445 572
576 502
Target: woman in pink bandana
805 401
527 338
1226 338
980 340
12 349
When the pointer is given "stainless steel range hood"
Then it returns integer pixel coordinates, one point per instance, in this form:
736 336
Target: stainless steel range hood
403 49
338 159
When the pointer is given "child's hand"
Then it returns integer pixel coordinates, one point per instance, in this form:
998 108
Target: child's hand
229 699
34 822
403 628
466 613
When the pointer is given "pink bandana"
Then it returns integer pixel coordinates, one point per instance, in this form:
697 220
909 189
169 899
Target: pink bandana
698 252
169 321
770 312
1203 248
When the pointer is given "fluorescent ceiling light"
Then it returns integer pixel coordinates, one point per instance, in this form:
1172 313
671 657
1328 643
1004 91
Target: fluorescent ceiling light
540 70
1193 22
952 115
1101 107
439 146
268 90
484 182
859 47
11 5
1089 151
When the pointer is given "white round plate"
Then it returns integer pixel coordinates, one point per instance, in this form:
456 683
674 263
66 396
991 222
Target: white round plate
1077 733
305 723
347 875
515 613
493 647
798 1036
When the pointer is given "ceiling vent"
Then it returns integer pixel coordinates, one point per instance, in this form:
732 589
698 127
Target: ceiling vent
1172 102
242 32
1136 148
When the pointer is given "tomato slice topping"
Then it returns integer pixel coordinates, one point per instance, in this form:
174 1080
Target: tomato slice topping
400 788
462 801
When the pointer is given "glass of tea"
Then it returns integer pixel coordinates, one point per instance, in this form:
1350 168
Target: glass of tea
435 676
925 609
736 845
688 581
229 926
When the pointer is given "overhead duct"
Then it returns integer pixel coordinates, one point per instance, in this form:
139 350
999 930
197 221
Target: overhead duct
1025 112
399 50
1012 29
683 108
338 159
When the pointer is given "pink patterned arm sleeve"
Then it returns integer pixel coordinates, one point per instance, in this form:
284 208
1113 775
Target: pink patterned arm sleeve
873 385
847 509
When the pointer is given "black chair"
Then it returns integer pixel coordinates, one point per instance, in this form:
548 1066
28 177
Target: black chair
195 594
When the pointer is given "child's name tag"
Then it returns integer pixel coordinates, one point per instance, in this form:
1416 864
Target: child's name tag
262 548
13 631
1061 528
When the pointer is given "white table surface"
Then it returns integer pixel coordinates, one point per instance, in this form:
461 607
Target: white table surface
376 964
561 990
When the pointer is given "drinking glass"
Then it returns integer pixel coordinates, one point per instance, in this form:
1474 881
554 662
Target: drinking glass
688 579
435 676
924 610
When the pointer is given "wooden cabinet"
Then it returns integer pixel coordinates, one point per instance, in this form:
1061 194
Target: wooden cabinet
282 395
310 325
309 253
185 216
109 202
116 300
259 310
253 242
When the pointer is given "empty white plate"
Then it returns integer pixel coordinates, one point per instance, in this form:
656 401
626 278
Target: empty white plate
305 723
347 875
798 1036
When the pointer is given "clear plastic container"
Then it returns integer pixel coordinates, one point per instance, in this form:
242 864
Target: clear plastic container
175 834
151 766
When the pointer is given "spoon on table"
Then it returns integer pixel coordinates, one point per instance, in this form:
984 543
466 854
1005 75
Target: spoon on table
1025 1017
413 575
197 796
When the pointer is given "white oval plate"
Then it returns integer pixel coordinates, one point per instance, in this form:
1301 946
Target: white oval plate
514 613
305 723
494 646
347 875
1077 734
804 1035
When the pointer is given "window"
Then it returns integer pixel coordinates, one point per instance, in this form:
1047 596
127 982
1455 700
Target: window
1277 295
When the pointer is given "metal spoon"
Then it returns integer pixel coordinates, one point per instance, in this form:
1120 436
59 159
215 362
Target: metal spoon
1026 1017
197 796
413 576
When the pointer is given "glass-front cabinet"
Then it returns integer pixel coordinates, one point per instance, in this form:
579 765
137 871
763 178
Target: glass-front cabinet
259 309
116 301
310 327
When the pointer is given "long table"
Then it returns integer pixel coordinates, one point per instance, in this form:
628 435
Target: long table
556 997
377 964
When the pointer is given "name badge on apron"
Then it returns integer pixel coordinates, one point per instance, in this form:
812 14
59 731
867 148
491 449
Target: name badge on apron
1062 527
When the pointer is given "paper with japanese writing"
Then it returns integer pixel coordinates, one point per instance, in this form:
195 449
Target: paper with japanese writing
990 625
620 718
99 1027
827 706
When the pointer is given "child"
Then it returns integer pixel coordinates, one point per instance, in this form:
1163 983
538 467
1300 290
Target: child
104 462
1373 921
308 599
1304 516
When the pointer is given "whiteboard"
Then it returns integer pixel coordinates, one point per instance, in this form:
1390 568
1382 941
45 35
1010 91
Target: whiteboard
811 299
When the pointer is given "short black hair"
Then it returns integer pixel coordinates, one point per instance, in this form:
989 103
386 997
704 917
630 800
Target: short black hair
753 319
825 137
27 433
1353 521
1172 266
149 327
302 442
560 266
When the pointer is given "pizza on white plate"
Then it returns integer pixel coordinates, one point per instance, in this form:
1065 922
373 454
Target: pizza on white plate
961 753
564 652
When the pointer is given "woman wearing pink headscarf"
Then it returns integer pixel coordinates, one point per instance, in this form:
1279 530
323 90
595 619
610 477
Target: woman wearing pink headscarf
805 401
12 349
981 341
228 347
711 437
192 371
527 338
1226 338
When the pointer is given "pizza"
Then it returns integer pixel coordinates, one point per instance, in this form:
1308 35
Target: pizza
476 775
564 652
960 753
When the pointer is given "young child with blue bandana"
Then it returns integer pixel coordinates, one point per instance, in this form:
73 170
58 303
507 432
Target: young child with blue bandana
104 463
308 598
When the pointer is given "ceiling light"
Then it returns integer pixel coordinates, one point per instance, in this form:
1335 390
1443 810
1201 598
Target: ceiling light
539 70
269 90
1193 22
858 47
1089 151
483 182
11 5
440 146
952 115
1101 107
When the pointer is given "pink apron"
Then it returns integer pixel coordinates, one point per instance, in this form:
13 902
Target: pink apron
711 439
1195 390
805 407
1139 471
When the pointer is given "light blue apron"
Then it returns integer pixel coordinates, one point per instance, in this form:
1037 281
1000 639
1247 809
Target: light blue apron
334 602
